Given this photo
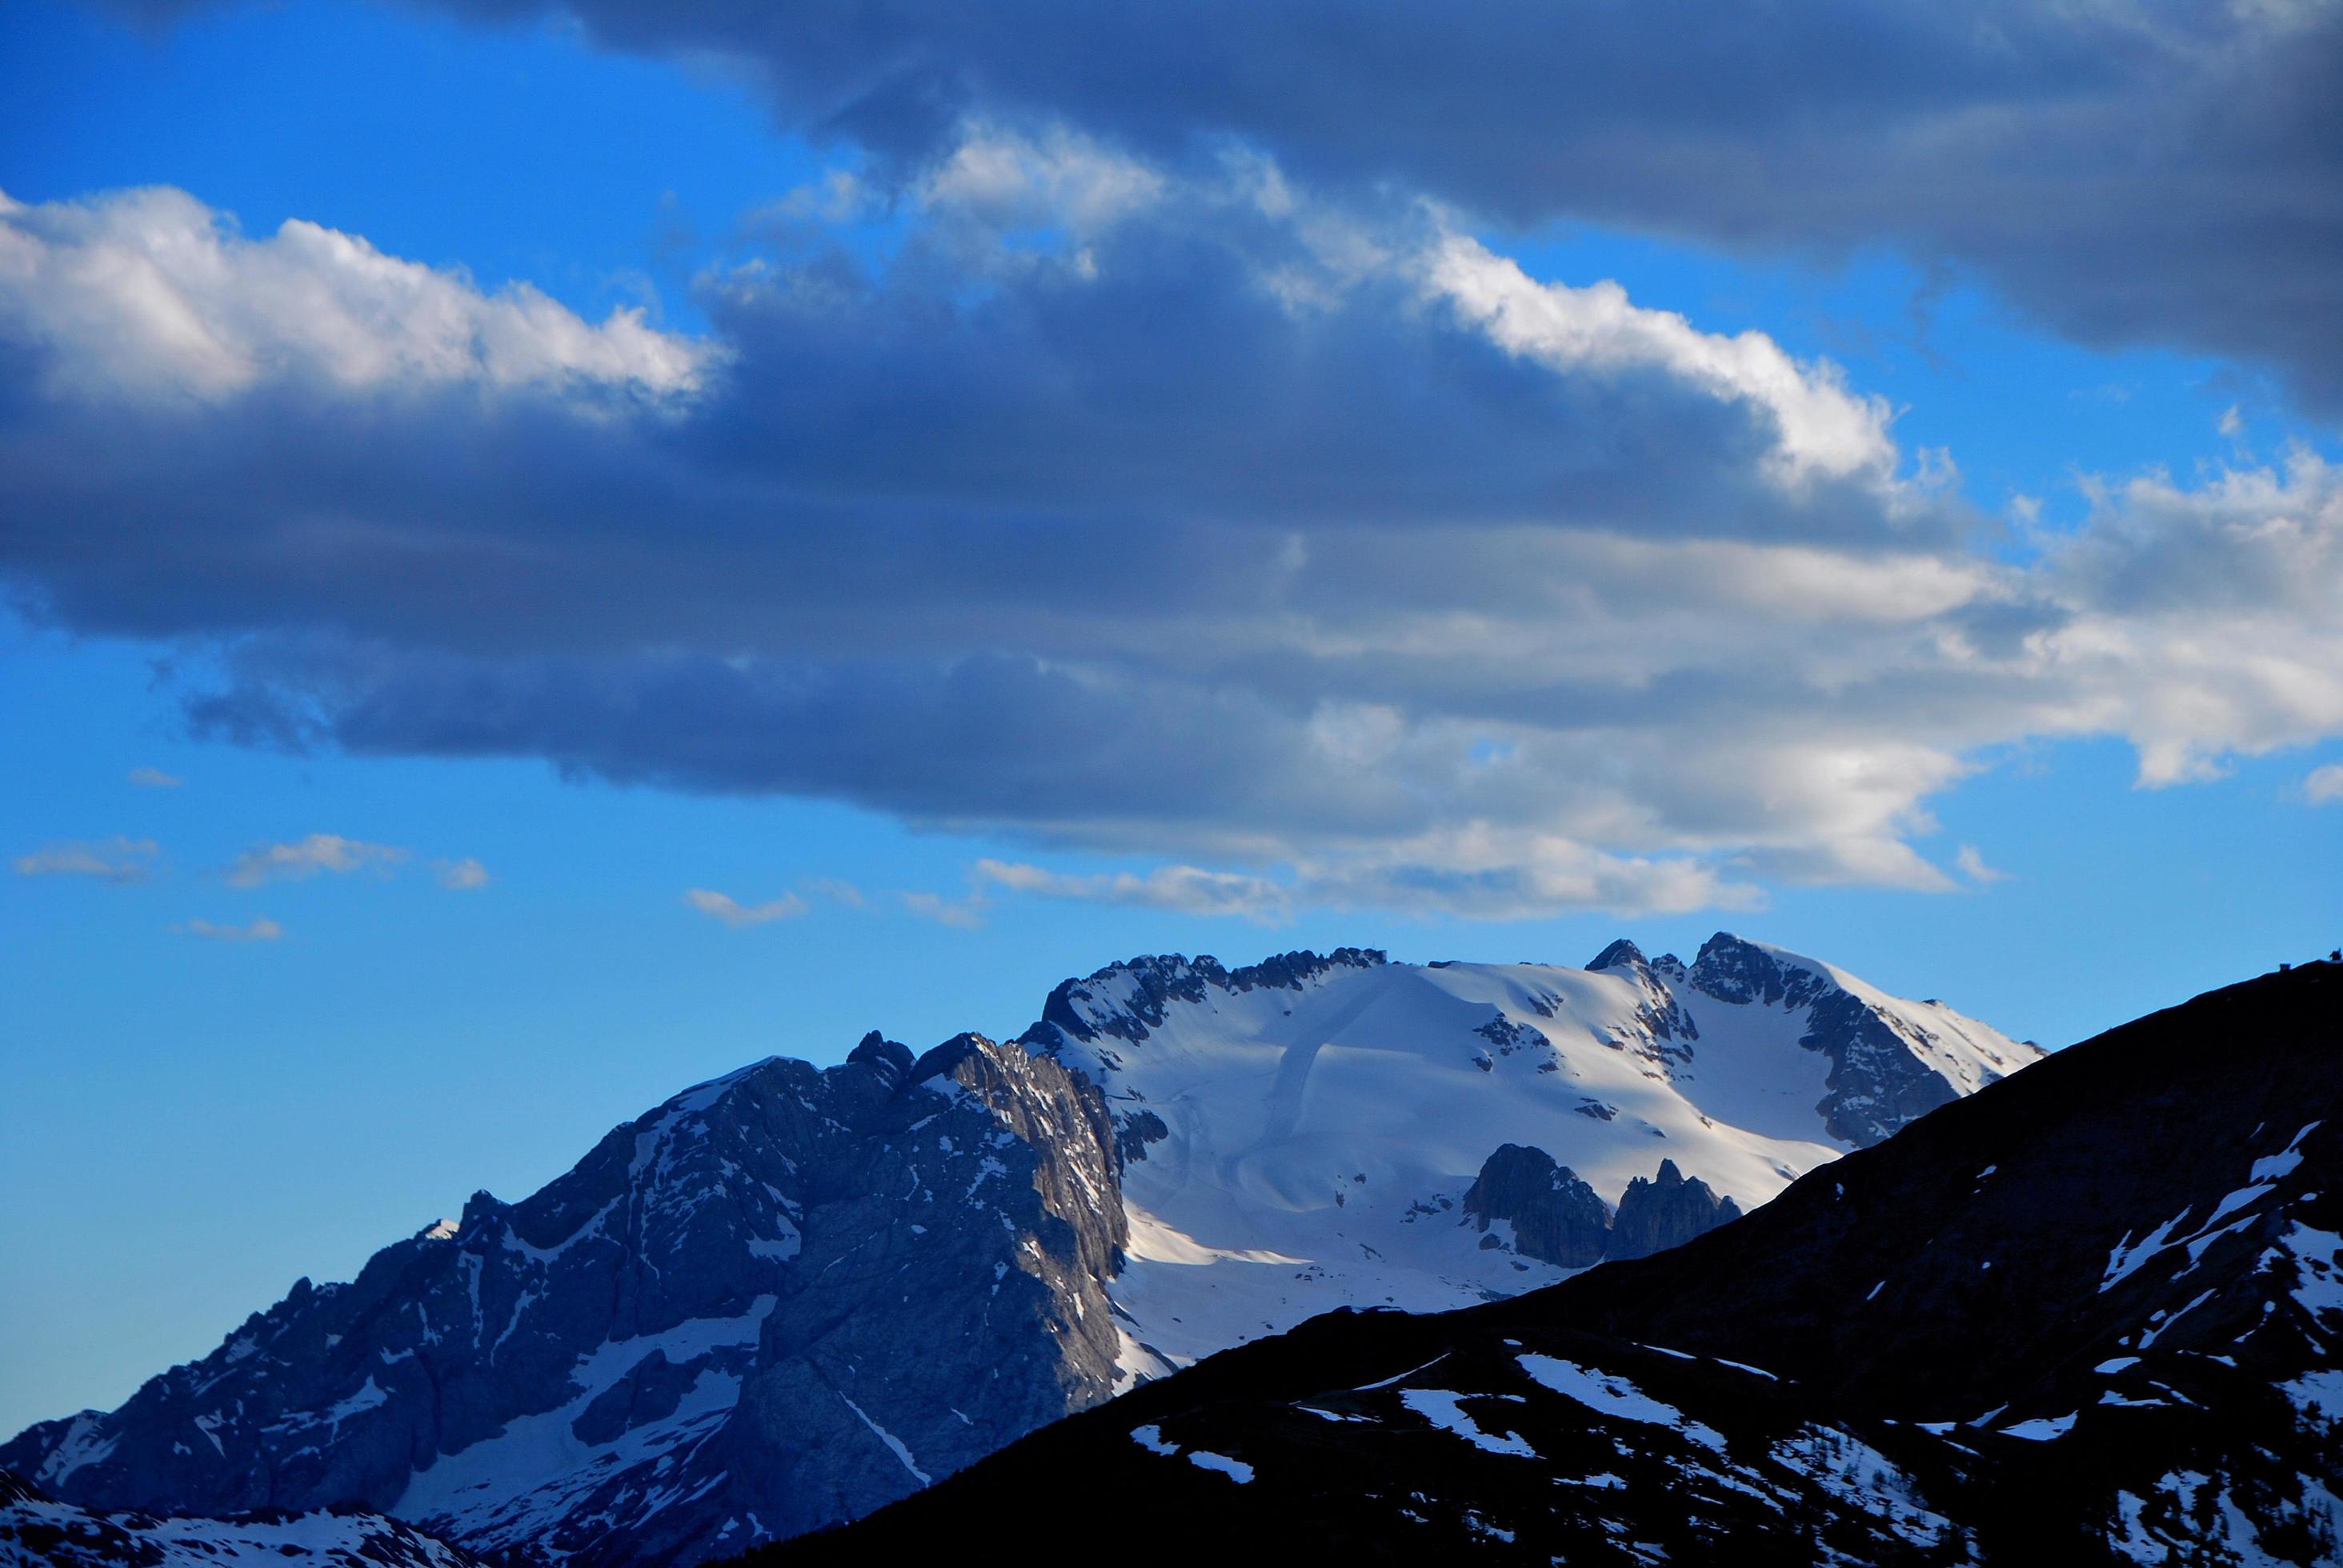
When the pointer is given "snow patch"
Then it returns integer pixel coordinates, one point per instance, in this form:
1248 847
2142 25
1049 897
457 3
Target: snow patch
1445 1411
1609 1394
1236 1470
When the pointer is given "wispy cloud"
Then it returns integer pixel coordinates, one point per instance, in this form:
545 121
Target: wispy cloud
1185 890
2325 785
838 892
114 860
262 930
463 875
961 914
733 912
305 857
1971 864
155 778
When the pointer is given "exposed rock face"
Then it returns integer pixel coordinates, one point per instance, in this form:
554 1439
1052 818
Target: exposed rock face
1665 1212
1559 1219
1888 1066
560 1377
1660 1030
38 1532
885 1366
1142 986
1555 1216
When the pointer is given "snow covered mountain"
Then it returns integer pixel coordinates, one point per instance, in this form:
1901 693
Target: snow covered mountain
2093 1316
1304 1134
789 1296
38 1532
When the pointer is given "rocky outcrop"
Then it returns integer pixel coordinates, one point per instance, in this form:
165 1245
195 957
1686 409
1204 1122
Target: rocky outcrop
1888 1068
1660 1030
1555 1217
1128 1000
1558 1218
912 1341
779 1300
1664 1212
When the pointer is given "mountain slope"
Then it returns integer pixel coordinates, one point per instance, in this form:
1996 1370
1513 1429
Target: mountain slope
783 1298
2094 1315
1302 1134
791 1295
38 1532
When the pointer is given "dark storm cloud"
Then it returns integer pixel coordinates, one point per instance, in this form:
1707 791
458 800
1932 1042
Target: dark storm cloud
2130 173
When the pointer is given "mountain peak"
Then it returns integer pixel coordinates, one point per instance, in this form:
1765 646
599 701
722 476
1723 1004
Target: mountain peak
877 1051
715 1302
1127 999
1618 954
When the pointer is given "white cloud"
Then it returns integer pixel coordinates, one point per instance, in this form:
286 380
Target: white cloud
1970 861
1824 429
1486 870
1187 890
2324 785
732 912
1006 179
114 860
463 875
262 930
155 778
836 892
961 914
1480 871
305 857
149 294
2205 622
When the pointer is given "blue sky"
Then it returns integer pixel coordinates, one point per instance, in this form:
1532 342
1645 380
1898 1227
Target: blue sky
194 1122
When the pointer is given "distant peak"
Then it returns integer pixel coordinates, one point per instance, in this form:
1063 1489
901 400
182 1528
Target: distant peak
1617 955
878 1052
940 1061
1733 968
1128 1000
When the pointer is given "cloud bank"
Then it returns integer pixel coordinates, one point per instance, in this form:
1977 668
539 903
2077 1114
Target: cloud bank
1162 508
2103 166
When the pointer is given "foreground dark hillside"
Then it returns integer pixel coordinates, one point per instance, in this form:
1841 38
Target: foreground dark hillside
2090 1314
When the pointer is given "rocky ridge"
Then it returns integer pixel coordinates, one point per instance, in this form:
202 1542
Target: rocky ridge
781 1299
790 1295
